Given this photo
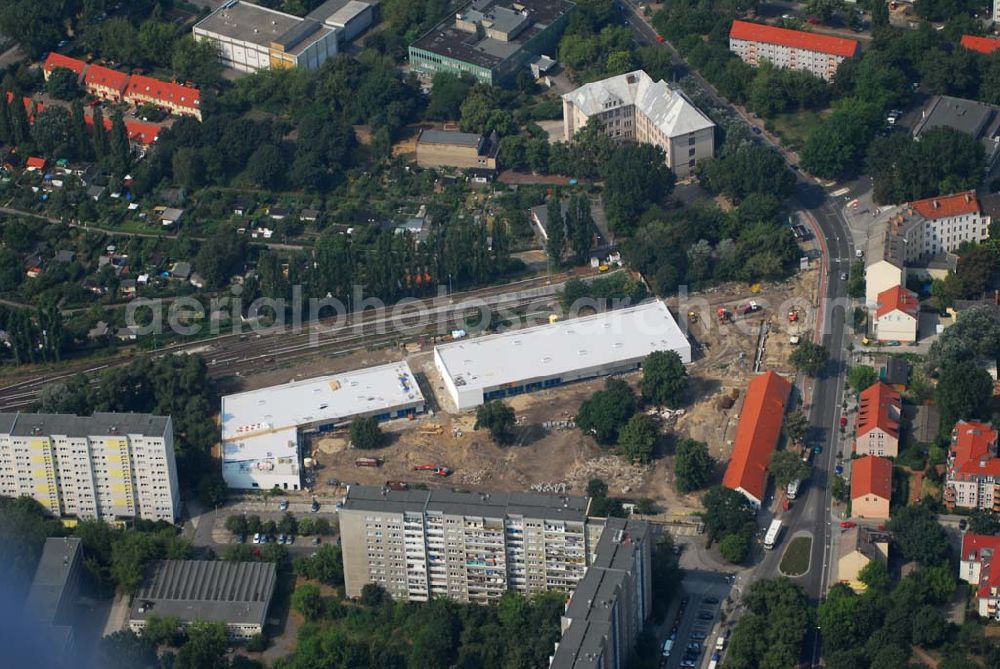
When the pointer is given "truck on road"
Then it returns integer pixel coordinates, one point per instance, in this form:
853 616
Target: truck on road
771 538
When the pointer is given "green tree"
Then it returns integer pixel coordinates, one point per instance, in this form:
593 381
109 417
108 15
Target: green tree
498 418
448 91
726 512
638 438
288 524
735 547
770 633
326 566
635 177
118 146
930 628
824 9
555 230
308 601
860 377
786 467
237 524
220 257
52 131
607 411
693 465
62 84
749 169
266 167
836 147
580 227
664 379
918 535
796 425
162 630
597 488
197 61
366 433
205 648
963 392
875 575
125 649
810 358
189 168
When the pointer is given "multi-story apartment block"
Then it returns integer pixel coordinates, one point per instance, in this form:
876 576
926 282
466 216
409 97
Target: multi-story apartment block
470 547
919 231
108 466
973 477
633 108
976 567
794 49
608 607
878 421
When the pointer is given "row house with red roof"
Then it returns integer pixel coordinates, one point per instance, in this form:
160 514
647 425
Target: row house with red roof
877 430
179 99
757 436
793 49
896 315
985 45
979 567
973 476
136 89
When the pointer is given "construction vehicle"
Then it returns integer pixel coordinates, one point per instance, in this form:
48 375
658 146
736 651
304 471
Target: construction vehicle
368 462
431 428
793 316
602 268
442 471
425 468
723 314
397 485
693 316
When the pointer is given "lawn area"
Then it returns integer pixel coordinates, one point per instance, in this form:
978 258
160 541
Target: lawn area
795 561
793 128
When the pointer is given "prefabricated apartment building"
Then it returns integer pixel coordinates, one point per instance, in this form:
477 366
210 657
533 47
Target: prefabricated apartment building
521 361
261 429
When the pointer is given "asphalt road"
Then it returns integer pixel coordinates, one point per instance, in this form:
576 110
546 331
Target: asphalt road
811 512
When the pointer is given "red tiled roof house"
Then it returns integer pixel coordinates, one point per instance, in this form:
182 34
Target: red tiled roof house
897 315
878 422
794 49
871 487
105 83
973 477
757 436
980 567
176 98
55 61
985 45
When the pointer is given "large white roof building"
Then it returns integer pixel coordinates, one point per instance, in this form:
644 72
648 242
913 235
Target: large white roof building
260 428
633 107
519 361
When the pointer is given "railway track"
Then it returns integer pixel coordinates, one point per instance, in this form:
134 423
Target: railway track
237 354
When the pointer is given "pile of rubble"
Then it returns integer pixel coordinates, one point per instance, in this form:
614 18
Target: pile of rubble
618 474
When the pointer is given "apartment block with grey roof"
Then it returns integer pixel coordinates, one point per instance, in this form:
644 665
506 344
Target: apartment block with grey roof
607 609
109 466
468 546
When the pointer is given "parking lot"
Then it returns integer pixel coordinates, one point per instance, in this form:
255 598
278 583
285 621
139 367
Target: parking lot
694 622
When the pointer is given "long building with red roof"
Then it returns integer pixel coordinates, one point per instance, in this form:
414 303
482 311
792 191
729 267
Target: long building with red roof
973 466
177 98
878 421
105 83
757 436
985 45
871 487
793 49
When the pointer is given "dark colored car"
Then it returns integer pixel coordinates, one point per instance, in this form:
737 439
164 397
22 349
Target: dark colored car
705 615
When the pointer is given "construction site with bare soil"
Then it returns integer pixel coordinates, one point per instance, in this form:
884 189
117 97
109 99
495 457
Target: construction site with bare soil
735 331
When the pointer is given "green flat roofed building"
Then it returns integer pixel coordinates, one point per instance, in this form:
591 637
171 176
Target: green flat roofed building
492 39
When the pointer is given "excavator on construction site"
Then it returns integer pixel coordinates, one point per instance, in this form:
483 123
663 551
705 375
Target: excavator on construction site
438 470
